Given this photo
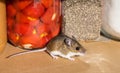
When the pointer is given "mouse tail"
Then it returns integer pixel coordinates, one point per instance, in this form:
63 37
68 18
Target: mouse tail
26 52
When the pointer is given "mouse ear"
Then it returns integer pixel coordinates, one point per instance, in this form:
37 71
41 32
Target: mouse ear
68 41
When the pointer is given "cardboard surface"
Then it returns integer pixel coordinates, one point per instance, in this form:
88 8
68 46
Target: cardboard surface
101 57
3 32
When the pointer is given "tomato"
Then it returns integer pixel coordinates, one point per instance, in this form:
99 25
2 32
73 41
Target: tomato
57 3
50 16
11 10
10 23
21 4
41 28
13 37
54 29
23 29
28 41
34 10
47 3
21 18
32 41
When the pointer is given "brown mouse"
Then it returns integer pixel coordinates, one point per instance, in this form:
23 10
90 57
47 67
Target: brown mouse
62 46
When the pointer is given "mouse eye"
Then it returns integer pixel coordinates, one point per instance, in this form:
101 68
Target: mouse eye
77 48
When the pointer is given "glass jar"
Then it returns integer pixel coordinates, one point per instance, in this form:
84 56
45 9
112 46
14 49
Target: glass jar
33 23
3 33
111 17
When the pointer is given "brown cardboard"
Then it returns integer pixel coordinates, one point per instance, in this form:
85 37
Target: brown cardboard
3 37
101 57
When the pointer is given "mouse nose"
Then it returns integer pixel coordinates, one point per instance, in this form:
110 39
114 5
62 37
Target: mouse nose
83 50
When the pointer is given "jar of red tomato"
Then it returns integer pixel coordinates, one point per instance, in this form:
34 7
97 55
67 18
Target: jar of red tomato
33 23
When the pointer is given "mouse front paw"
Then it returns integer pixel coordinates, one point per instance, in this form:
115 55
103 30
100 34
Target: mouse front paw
72 59
55 57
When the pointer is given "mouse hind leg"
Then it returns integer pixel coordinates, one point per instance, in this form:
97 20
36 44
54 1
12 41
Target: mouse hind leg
54 54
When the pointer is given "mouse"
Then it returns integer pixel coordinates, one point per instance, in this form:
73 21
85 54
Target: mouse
60 46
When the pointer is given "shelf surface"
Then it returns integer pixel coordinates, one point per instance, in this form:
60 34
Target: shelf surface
101 57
